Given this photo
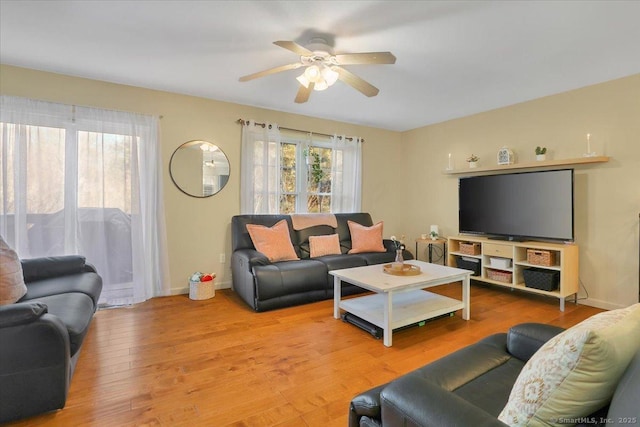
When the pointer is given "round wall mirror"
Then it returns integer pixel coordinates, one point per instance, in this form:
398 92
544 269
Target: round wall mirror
199 168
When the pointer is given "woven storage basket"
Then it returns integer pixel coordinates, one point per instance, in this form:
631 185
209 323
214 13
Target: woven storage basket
539 257
500 276
470 264
540 278
469 248
201 290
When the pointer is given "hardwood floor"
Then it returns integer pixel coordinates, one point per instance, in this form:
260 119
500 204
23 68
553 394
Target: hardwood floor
172 361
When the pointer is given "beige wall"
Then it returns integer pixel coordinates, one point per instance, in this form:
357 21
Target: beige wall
198 230
607 195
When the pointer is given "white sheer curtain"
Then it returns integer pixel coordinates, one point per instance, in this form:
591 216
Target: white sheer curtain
346 174
260 169
78 180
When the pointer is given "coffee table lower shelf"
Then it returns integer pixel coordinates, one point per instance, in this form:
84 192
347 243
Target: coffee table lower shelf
407 308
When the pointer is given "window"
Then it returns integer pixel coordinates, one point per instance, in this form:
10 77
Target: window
286 171
305 174
77 180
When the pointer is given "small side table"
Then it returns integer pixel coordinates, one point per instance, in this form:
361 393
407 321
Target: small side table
430 243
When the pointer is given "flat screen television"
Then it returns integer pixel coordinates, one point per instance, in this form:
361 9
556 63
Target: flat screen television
518 206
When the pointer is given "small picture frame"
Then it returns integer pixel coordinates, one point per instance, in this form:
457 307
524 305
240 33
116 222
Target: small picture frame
505 156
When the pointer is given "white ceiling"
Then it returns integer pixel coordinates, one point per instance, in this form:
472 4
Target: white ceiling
454 58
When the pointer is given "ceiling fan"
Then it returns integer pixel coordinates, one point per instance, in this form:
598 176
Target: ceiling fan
324 68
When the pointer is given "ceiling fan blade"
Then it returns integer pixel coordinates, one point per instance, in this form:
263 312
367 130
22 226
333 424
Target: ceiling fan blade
356 82
294 47
303 93
366 58
271 71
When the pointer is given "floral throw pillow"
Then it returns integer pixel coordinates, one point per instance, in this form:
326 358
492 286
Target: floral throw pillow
12 286
324 245
576 372
365 239
274 242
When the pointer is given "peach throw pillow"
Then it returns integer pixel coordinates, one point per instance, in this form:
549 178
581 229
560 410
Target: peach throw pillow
274 242
324 245
366 239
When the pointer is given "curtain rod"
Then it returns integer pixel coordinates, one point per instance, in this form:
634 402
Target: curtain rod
348 138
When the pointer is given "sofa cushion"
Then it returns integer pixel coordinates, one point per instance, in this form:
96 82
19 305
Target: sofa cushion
274 242
576 372
12 286
76 310
366 239
86 283
324 245
290 277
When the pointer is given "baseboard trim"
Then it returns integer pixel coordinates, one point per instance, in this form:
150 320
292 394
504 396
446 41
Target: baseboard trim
605 305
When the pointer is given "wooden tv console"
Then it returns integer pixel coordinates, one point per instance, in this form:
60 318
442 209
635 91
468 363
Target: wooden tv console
566 263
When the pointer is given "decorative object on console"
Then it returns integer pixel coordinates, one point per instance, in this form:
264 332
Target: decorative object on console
434 233
473 161
274 242
450 164
365 239
589 153
541 153
505 156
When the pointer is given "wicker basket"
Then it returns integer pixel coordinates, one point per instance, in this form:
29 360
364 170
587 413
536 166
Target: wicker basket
499 275
202 290
469 248
539 257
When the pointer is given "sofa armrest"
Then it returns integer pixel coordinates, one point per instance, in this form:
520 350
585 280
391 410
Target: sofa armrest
35 362
525 339
366 404
21 313
46 267
249 258
416 401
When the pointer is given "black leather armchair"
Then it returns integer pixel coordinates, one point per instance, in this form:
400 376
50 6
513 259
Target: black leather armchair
471 386
41 335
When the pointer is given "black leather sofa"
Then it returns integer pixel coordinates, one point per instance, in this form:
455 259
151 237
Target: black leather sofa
471 386
265 285
41 335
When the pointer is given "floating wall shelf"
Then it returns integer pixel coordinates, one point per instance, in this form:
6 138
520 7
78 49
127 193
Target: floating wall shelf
529 165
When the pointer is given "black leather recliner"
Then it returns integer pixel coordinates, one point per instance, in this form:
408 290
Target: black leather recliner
471 386
41 335
265 285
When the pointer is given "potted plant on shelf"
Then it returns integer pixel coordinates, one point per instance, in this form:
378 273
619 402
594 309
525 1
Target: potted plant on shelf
434 235
473 161
541 153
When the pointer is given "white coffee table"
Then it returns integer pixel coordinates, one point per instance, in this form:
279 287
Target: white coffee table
400 300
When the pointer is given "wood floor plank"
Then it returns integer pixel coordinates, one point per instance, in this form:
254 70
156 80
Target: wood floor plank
172 361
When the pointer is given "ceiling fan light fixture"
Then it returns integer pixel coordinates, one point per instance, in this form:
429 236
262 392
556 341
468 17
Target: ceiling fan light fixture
330 75
302 78
320 85
312 73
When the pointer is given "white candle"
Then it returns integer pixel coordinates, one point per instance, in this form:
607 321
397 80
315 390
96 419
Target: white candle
449 160
588 143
